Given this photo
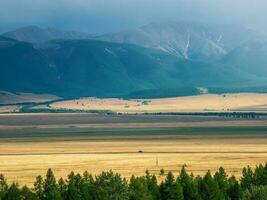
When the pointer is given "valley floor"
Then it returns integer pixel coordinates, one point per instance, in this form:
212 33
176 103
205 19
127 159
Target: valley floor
107 142
200 103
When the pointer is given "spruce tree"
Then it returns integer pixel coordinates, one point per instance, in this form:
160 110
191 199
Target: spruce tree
138 188
152 185
50 187
28 194
87 187
74 187
221 178
255 193
13 193
247 180
260 175
111 186
170 189
208 188
39 187
3 186
234 191
62 187
188 185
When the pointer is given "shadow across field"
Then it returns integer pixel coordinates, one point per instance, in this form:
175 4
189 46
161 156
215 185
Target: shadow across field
137 134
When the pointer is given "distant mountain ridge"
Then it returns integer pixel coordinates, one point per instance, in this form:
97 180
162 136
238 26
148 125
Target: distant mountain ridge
34 34
136 64
187 40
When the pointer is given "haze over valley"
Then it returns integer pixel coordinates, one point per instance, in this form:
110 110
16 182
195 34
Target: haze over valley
133 100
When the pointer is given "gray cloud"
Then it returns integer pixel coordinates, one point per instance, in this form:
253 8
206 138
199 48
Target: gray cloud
113 15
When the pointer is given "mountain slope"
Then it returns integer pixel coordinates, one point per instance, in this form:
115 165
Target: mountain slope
34 34
77 68
23 68
250 57
189 40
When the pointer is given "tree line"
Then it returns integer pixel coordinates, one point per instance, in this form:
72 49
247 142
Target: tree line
111 186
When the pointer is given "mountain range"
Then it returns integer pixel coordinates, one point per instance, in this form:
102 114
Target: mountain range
156 60
188 40
34 34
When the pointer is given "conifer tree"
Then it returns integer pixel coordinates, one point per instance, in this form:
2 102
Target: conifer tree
74 187
255 193
208 188
188 185
170 189
62 187
111 186
152 185
221 178
50 187
28 194
234 191
260 175
247 180
3 186
13 193
87 187
39 187
138 189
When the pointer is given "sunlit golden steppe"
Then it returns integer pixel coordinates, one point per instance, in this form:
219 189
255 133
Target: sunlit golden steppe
22 161
200 103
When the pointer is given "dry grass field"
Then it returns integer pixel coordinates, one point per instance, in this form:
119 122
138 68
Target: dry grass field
23 160
128 144
201 103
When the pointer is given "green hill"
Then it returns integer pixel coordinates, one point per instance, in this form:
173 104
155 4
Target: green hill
75 68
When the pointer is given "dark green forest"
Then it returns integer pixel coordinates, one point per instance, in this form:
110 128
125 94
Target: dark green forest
111 186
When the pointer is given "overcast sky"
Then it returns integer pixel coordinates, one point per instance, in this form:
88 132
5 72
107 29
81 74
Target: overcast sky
100 16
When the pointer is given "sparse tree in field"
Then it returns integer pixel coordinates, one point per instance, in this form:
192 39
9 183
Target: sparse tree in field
170 189
162 172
